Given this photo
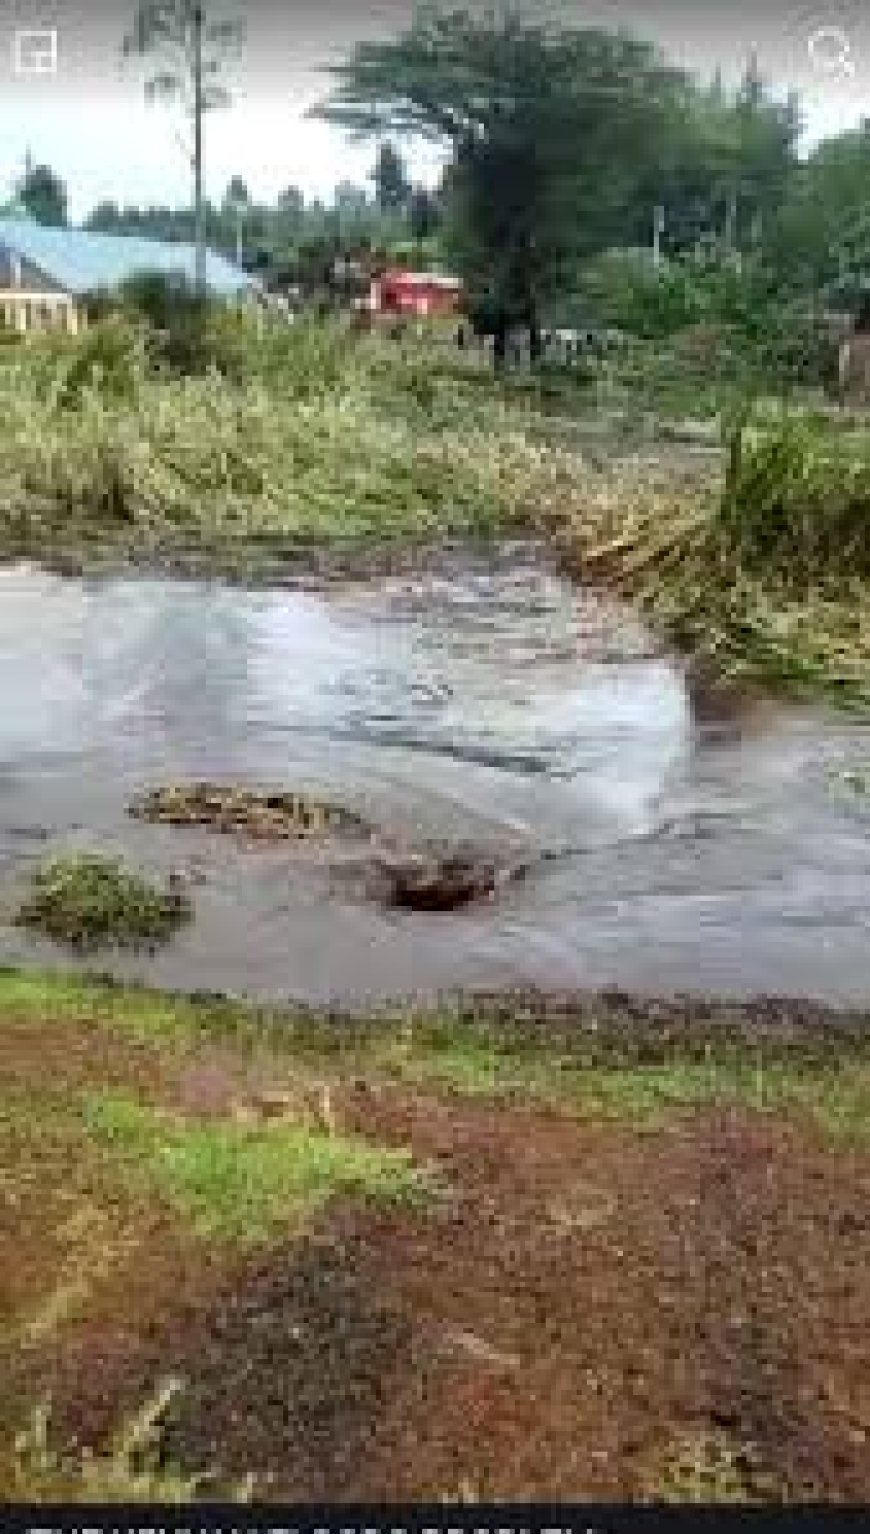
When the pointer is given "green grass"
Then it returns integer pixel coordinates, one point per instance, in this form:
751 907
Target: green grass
480 1067
320 439
88 902
834 1093
596 1064
239 1181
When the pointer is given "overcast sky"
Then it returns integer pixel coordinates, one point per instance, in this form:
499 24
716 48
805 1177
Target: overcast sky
90 122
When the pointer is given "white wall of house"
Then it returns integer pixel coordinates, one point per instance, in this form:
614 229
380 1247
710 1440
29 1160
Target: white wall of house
29 300
25 310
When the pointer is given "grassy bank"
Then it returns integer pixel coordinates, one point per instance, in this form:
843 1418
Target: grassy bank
317 438
248 1217
310 442
760 571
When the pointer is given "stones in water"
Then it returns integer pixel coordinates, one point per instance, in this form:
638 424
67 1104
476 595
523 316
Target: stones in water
246 812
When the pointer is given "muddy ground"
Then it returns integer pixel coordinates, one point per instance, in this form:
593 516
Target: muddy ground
593 1300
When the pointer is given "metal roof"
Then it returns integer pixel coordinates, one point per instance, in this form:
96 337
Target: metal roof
408 279
80 261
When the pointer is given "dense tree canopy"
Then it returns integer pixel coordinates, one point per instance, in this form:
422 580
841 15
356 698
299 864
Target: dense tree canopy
531 116
562 146
390 177
44 195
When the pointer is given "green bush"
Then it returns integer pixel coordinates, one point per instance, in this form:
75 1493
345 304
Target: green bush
188 333
90 902
796 347
735 310
624 289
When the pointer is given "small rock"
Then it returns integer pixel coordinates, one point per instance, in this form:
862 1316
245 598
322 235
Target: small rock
468 1342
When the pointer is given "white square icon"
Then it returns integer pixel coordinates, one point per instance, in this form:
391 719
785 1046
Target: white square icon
35 51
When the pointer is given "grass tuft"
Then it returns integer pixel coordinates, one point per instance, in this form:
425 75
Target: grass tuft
132 1469
87 902
711 1468
241 1181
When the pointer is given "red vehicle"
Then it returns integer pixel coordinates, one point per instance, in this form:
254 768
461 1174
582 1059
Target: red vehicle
420 295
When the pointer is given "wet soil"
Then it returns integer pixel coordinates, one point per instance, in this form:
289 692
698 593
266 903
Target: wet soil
582 1300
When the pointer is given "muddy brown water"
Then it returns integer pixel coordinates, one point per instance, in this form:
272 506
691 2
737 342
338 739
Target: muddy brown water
484 701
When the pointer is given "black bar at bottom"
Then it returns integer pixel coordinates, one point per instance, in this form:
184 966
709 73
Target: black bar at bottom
440 1519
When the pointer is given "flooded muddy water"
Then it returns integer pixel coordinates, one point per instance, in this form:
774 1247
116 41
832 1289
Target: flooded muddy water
486 702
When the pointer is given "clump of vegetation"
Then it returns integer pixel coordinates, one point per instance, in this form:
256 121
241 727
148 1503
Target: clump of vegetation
280 457
187 333
87 902
239 811
240 1180
744 569
105 362
710 1467
131 1469
797 500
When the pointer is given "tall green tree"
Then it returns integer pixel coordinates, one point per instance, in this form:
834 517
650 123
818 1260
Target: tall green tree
291 204
724 166
822 231
548 132
392 188
44 195
186 51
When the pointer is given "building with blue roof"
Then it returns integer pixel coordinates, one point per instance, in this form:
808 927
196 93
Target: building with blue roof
46 273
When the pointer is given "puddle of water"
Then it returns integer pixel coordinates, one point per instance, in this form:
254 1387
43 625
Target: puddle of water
490 703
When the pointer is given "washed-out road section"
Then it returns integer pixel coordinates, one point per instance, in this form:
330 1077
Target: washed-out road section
481 700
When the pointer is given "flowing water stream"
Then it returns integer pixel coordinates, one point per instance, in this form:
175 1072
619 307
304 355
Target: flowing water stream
484 701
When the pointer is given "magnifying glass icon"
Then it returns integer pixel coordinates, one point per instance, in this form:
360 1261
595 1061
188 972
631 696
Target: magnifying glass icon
830 52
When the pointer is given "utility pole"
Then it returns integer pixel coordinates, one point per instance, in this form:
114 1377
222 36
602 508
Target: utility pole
240 239
731 223
199 206
658 231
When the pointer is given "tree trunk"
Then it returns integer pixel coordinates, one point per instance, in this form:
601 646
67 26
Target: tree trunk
198 203
532 321
499 344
